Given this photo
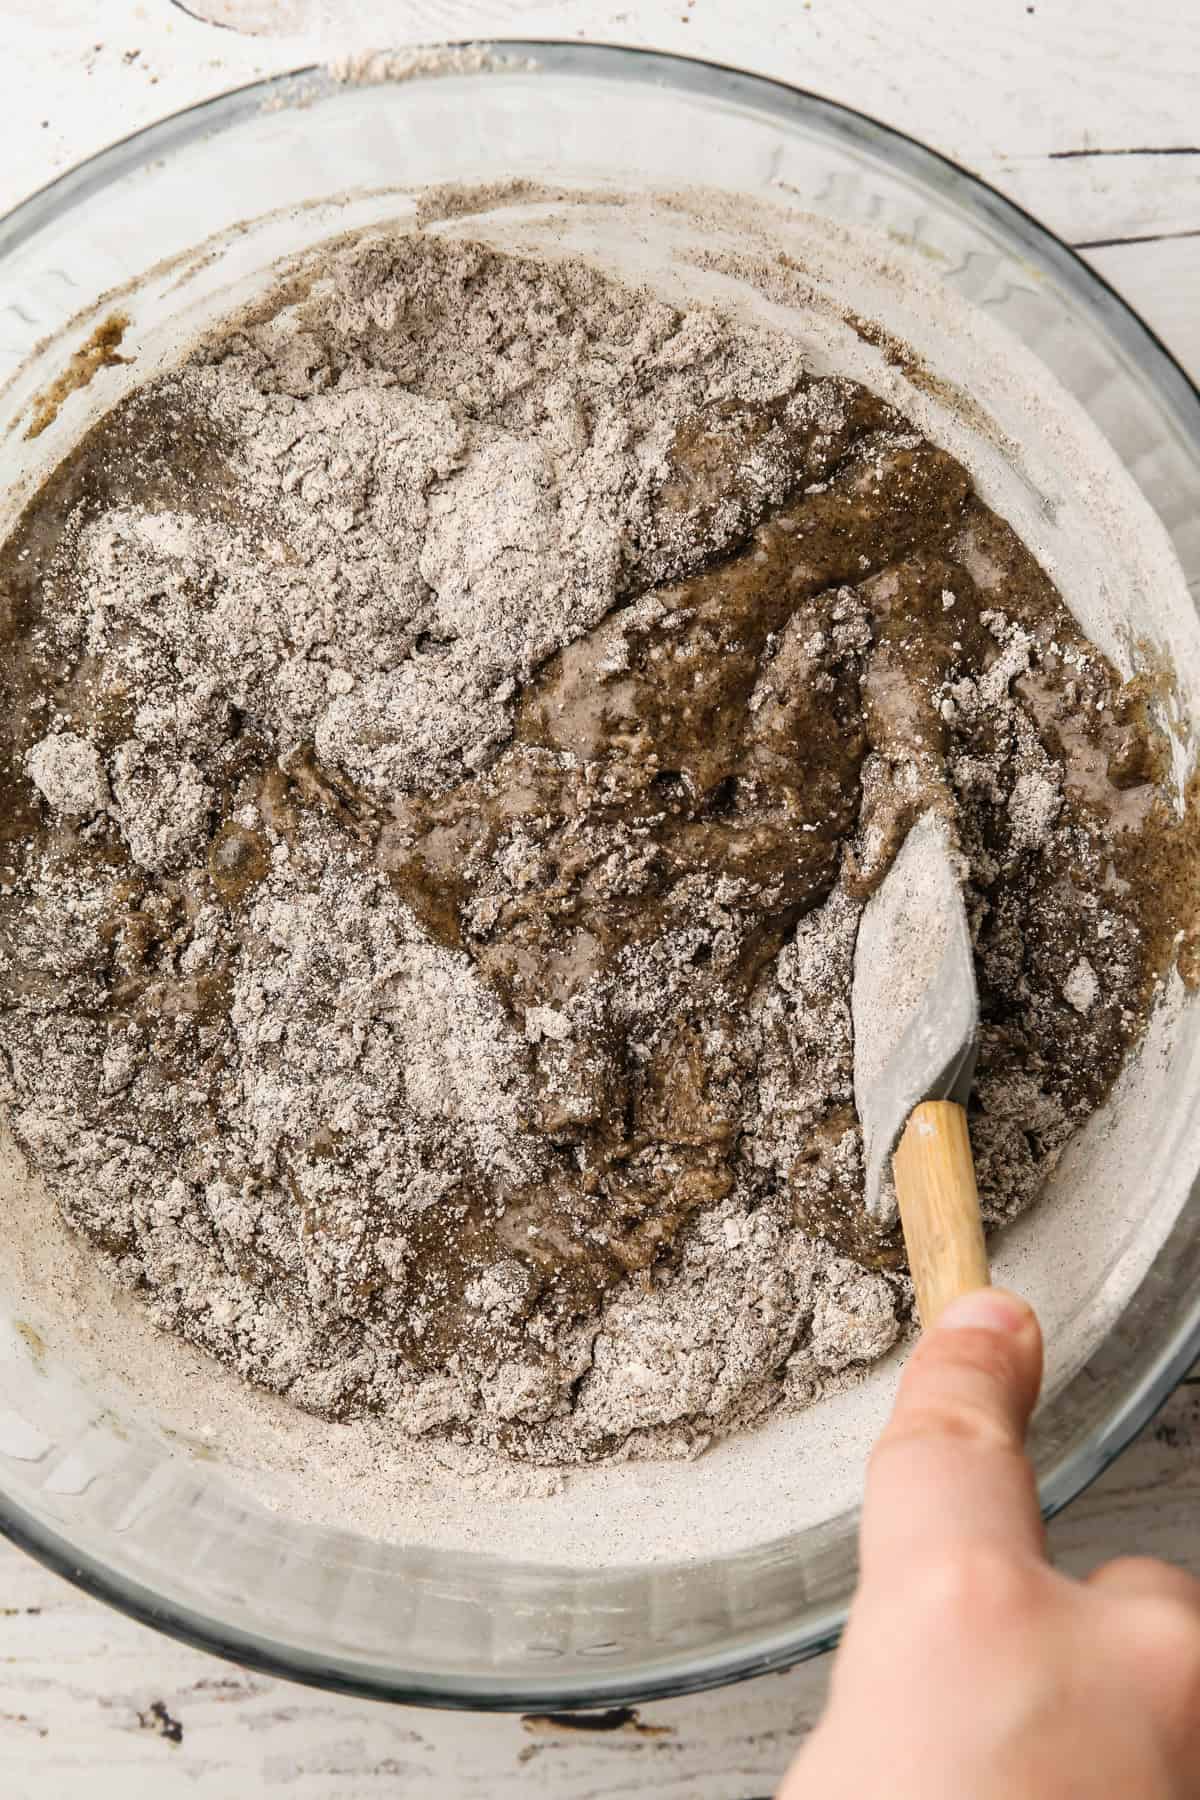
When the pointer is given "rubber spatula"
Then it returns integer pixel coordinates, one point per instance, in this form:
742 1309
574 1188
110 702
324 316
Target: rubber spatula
915 1010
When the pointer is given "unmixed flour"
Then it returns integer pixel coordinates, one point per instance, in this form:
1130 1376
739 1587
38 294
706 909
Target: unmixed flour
457 719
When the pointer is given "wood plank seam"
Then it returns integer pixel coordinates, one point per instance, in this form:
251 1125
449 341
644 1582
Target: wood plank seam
1148 237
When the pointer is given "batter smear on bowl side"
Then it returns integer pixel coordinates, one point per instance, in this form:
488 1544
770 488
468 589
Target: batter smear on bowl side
451 726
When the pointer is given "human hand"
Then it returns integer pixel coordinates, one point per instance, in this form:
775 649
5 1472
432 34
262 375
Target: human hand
971 1669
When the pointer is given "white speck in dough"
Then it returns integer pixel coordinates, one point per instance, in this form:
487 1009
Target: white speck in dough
68 772
1081 987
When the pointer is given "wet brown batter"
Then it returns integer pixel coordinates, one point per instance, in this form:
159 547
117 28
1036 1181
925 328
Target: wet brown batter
700 770
722 735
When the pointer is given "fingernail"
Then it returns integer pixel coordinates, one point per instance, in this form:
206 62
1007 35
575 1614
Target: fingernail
988 1309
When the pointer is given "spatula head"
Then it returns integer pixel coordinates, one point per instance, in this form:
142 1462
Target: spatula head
914 1003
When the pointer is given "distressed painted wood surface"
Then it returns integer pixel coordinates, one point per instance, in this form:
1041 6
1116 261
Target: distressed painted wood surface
1092 127
94 1707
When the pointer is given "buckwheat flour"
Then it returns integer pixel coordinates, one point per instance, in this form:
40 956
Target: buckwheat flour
456 720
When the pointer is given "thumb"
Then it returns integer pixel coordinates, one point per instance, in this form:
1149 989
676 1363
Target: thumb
951 1465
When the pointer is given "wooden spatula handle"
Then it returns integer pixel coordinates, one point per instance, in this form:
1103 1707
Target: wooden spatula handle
939 1207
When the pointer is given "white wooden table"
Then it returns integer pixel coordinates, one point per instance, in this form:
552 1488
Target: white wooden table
1091 126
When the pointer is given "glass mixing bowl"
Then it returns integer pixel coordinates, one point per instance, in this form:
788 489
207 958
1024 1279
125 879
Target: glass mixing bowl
140 1514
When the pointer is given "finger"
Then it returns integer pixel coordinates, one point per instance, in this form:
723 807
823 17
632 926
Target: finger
950 1465
1156 1632
1144 1578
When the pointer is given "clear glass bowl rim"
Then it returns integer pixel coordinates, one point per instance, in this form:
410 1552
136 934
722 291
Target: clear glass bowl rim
1180 396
